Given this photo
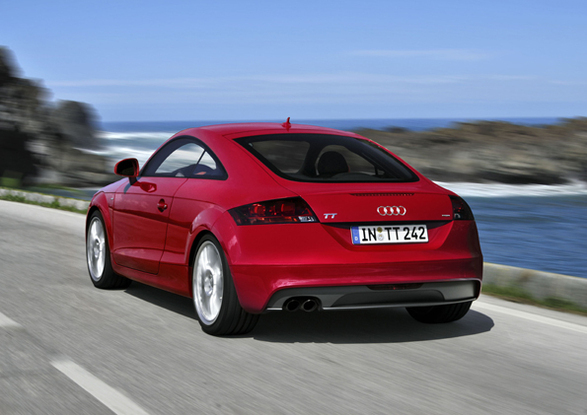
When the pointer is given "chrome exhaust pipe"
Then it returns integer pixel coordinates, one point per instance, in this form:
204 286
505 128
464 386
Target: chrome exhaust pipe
291 305
310 305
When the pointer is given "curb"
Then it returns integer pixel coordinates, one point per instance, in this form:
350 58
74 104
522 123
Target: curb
42 198
540 285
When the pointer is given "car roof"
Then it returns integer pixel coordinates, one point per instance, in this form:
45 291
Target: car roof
236 130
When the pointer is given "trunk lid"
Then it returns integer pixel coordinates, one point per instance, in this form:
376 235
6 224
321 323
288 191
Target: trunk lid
365 203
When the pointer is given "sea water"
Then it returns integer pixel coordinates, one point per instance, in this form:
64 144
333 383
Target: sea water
531 226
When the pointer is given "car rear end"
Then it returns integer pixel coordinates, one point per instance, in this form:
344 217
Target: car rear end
370 233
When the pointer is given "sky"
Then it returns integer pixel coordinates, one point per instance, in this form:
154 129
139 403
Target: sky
320 59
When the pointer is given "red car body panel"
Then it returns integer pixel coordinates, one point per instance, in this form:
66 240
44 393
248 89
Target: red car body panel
140 216
156 246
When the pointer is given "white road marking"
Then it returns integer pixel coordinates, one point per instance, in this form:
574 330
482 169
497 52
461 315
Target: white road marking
6 322
532 317
113 399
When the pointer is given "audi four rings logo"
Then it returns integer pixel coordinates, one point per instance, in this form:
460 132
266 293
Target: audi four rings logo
391 210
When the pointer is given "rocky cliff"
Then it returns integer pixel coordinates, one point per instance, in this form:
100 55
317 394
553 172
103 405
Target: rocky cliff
41 141
489 151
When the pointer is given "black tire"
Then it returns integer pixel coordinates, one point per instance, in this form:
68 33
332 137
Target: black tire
439 313
98 256
215 299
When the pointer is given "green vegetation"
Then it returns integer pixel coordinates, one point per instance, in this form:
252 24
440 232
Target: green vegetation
54 205
518 295
11 179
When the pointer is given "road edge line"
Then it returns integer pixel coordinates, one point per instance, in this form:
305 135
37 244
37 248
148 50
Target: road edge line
531 317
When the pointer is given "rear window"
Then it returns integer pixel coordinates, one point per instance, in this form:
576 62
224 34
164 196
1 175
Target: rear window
326 158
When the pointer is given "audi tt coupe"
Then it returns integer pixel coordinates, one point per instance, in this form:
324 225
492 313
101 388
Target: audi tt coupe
256 217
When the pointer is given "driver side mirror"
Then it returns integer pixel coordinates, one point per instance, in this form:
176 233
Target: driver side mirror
127 168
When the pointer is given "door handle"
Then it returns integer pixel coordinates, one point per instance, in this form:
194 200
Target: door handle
161 205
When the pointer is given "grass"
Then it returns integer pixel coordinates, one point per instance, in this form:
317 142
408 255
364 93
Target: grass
41 187
518 295
9 182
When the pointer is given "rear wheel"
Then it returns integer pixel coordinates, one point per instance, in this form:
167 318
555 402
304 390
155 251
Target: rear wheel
215 298
439 313
98 256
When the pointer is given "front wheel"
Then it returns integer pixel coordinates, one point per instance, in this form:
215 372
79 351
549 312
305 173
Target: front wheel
98 256
439 313
215 298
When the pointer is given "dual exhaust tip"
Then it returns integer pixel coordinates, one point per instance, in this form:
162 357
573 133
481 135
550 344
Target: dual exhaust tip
307 304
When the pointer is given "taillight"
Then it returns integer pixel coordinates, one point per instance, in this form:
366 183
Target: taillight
460 209
290 210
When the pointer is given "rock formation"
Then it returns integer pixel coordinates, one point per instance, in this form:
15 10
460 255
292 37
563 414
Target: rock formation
490 151
42 141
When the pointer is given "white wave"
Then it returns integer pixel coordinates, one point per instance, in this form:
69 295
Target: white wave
112 136
139 145
508 190
102 152
119 153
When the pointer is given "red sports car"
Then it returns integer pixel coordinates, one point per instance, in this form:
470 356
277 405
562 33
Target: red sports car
256 217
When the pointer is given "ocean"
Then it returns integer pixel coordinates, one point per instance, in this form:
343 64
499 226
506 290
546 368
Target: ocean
531 226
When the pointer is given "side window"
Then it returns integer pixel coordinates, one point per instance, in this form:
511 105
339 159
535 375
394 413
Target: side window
207 163
184 158
177 164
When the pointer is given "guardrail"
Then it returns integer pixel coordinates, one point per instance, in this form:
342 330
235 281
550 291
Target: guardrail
540 285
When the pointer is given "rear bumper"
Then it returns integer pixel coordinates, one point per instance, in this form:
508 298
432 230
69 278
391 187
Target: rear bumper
390 295
405 284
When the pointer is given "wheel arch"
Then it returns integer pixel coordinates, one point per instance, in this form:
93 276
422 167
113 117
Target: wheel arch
201 225
196 242
100 204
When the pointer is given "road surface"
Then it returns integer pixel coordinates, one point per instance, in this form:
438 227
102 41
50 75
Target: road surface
68 348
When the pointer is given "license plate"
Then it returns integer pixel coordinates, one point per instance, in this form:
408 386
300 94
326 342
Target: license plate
389 234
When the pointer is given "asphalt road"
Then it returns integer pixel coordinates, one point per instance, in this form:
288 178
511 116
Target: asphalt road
68 348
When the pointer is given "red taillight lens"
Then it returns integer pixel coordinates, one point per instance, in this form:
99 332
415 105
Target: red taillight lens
290 210
460 209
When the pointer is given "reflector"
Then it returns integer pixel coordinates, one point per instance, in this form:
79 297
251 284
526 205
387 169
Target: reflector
460 209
